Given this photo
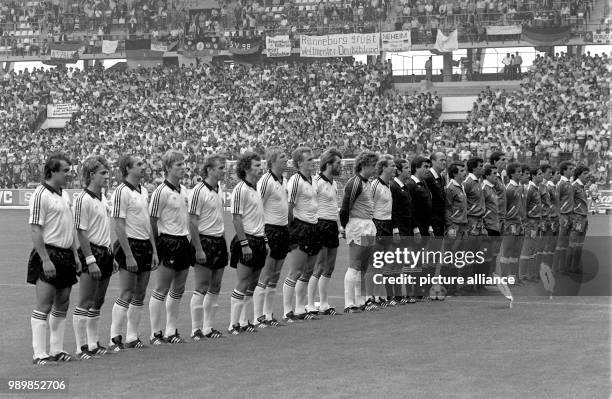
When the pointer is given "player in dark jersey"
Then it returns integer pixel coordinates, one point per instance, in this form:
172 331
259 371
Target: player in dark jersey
356 216
579 221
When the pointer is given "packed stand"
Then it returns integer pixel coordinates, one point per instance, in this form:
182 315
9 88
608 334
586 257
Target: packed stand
561 111
29 27
202 109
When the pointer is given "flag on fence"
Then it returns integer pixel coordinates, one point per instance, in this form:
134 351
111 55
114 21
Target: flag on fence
546 36
140 49
65 52
445 44
109 46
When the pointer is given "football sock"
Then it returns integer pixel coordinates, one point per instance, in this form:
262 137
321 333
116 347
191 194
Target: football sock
134 314
349 288
57 326
196 305
244 313
288 295
269 300
173 303
313 285
301 295
236 305
93 331
210 300
79 324
39 324
156 311
323 285
259 297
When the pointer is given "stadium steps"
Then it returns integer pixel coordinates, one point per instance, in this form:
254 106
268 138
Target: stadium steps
456 89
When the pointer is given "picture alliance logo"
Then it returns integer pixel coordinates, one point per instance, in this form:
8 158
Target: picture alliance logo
407 257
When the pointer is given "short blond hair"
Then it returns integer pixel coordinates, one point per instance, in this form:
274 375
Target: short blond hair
211 161
170 157
272 154
298 155
91 165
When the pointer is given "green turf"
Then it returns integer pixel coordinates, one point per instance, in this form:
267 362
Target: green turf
474 347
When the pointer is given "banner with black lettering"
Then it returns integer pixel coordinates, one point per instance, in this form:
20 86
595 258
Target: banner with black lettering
396 41
598 37
278 46
65 52
340 45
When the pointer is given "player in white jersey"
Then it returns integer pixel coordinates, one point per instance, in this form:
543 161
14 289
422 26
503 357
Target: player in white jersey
327 227
303 238
249 247
92 222
383 206
134 250
53 263
170 227
208 238
273 190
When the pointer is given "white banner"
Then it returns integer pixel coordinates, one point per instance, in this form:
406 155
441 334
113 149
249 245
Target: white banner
343 45
504 30
61 110
278 46
602 37
159 47
63 54
109 46
445 44
396 41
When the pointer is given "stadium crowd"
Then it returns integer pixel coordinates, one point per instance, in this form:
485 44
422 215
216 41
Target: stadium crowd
560 113
28 27
562 108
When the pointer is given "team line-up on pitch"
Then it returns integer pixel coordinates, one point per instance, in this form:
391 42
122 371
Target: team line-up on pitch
405 256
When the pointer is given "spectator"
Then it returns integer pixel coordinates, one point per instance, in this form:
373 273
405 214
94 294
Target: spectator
428 67
507 63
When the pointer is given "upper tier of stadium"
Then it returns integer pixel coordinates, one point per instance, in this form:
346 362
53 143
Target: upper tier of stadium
28 27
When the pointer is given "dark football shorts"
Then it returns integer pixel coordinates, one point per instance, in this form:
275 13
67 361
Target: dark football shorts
258 247
278 241
215 249
142 251
304 236
104 260
328 233
175 252
65 267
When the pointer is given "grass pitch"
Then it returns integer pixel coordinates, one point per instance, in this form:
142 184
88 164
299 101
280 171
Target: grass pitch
467 347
